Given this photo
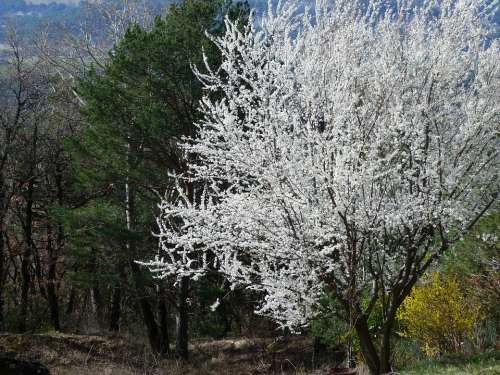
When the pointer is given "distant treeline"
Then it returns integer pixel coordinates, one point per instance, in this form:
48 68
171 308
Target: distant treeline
7 6
26 17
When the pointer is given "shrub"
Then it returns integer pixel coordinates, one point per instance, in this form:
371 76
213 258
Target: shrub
327 328
439 316
476 263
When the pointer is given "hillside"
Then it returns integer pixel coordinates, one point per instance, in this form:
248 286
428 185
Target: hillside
27 17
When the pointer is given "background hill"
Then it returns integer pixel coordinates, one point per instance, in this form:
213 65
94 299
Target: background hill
27 17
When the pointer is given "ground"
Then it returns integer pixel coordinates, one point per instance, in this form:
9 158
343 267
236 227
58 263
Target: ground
66 354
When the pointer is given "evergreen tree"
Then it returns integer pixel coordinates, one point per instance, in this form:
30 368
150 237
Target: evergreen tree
137 108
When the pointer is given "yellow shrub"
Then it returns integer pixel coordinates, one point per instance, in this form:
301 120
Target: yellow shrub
439 316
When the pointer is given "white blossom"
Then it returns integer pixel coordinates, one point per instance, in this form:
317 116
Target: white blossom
342 149
215 305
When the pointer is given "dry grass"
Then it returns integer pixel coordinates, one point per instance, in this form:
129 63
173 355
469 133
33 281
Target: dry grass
172 368
66 354
95 355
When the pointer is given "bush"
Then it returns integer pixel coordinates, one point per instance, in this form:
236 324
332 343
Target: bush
439 316
476 263
336 334
327 329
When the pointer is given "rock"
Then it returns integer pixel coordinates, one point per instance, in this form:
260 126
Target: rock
11 366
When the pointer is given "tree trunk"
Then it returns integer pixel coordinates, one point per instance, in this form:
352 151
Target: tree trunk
116 299
2 258
53 256
70 308
114 317
368 349
385 344
51 281
181 344
163 320
223 310
3 209
40 277
95 291
385 353
97 307
28 235
26 257
147 311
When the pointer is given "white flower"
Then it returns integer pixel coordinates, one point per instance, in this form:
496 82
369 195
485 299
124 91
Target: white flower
338 153
216 304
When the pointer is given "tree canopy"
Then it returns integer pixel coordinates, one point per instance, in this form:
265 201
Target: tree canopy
350 147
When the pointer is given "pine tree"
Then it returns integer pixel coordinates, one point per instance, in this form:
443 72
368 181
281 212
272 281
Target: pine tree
138 107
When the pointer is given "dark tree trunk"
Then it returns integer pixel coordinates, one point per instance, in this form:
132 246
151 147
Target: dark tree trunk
116 300
385 343
51 281
28 252
53 257
114 317
97 304
147 312
38 272
163 320
385 352
70 308
398 296
2 259
225 318
181 344
224 311
95 291
140 289
26 257
3 209
368 349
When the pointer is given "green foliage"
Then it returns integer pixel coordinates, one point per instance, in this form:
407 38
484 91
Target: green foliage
216 310
475 261
136 109
209 322
137 106
467 256
141 103
147 96
91 257
327 328
38 319
457 310
334 332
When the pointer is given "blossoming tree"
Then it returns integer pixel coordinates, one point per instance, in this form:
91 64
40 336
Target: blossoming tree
343 150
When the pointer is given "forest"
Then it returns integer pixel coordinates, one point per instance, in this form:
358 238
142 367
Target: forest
226 187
